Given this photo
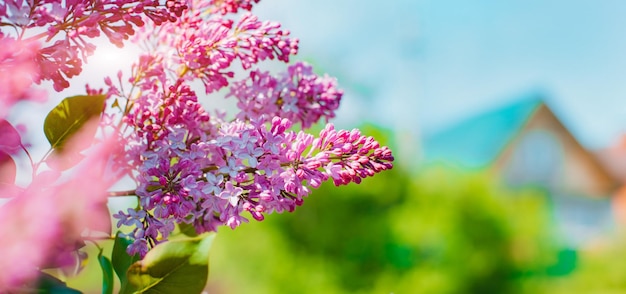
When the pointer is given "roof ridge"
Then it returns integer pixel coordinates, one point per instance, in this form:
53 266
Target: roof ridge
477 139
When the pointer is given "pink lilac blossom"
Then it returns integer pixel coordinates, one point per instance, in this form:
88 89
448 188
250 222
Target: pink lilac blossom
46 220
205 46
70 24
230 6
18 71
299 95
211 179
155 111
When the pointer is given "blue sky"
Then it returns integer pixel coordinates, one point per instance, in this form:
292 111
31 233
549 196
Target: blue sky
421 65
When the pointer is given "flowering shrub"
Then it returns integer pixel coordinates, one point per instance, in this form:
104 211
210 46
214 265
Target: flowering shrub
194 169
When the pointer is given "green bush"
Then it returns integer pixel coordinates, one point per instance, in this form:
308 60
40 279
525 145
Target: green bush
440 231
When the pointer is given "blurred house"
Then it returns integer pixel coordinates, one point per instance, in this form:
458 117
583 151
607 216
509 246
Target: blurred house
614 158
525 144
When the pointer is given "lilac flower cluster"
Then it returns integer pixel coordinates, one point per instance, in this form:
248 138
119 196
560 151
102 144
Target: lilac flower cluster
17 72
249 168
230 6
69 24
203 47
298 95
206 171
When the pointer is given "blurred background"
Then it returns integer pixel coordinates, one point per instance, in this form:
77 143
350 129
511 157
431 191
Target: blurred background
507 124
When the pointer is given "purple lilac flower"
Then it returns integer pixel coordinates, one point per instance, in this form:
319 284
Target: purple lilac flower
298 95
209 171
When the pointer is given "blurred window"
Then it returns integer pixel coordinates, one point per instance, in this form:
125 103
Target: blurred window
537 159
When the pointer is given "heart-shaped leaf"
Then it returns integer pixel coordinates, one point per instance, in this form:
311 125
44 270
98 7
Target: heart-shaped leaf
187 229
50 284
107 273
176 266
122 261
71 115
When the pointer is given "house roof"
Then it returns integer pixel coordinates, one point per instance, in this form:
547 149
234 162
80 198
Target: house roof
614 159
477 141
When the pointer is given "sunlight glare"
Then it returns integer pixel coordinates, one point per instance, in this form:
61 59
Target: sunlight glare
108 59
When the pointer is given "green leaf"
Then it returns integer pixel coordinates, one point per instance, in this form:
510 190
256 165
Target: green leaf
187 229
50 284
107 274
71 115
122 261
177 266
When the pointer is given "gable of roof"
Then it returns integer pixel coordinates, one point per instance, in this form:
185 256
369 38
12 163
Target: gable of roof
477 141
580 170
614 159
